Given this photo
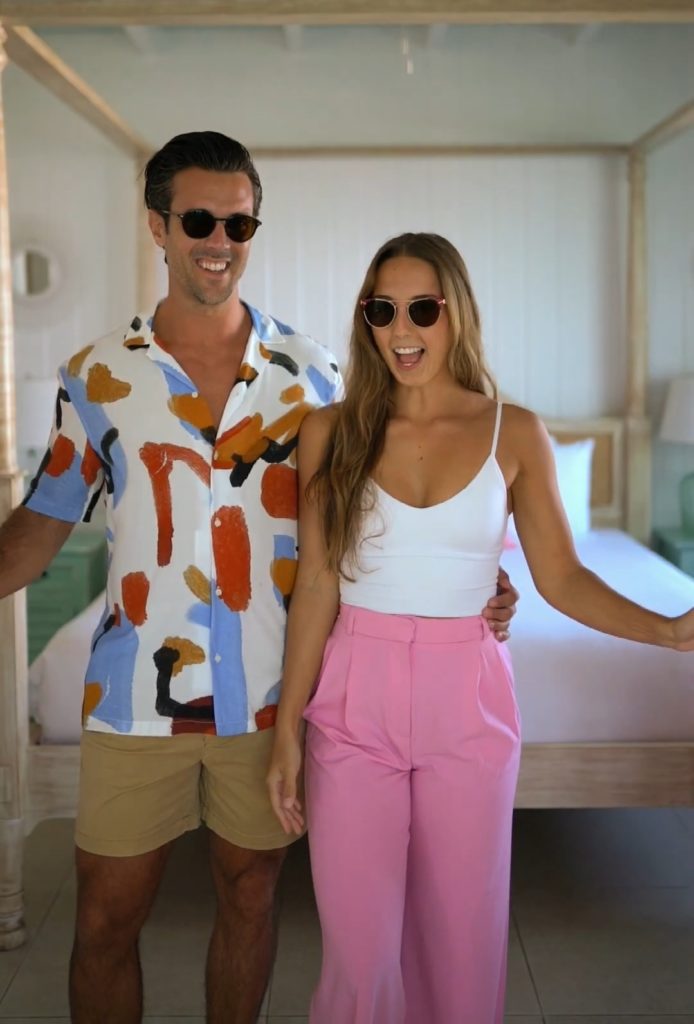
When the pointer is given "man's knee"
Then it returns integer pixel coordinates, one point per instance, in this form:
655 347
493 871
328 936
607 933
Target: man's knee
102 927
114 897
246 881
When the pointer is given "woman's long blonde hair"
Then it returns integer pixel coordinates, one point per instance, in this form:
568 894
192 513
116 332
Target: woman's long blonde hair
358 434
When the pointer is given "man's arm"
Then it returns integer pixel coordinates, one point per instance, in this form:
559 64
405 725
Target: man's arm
500 609
28 543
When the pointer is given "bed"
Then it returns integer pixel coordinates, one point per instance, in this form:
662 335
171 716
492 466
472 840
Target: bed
605 722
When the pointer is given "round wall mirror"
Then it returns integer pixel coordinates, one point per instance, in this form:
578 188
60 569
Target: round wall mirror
34 272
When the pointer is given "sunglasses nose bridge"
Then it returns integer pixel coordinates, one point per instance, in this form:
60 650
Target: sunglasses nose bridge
401 322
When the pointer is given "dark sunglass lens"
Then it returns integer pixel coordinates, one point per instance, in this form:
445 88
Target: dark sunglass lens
240 228
379 312
198 223
424 312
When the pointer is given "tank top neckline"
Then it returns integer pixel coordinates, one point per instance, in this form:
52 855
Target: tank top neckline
446 501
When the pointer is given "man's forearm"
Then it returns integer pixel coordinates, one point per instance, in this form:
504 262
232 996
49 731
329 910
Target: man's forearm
28 543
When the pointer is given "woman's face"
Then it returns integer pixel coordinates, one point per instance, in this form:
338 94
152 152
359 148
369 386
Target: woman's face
414 355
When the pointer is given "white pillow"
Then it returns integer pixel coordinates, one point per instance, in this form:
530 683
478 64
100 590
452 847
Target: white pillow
573 463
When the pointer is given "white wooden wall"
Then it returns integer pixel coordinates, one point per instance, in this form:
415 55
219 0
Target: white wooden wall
543 238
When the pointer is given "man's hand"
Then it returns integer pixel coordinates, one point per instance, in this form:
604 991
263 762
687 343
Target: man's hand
501 609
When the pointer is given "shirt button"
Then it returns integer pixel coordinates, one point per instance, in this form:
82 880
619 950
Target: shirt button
217 658
218 591
194 394
218 521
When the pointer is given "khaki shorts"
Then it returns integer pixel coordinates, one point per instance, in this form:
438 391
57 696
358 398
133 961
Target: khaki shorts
139 792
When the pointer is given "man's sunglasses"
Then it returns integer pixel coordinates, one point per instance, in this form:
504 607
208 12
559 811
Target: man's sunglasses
240 227
421 312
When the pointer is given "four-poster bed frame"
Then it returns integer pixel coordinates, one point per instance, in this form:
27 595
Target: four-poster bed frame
38 781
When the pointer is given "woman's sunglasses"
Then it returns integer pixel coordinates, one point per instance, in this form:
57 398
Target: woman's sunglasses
421 312
240 227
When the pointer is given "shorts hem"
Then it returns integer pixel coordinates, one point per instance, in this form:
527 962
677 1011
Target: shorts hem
271 841
138 844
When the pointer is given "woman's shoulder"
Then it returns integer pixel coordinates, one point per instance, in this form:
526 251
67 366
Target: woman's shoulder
317 426
320 421
522 426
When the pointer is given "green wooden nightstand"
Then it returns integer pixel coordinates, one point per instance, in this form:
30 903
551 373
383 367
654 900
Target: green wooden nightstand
676 546
72 580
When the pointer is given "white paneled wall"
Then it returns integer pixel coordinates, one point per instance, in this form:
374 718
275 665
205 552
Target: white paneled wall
78 202
543 238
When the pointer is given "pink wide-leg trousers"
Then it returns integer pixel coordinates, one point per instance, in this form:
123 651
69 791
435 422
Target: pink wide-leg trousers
412 755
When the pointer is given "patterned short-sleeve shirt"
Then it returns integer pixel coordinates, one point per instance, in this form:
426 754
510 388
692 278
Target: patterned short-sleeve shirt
201 525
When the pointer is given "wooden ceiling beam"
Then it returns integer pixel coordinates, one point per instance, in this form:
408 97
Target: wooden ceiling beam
30 53
681 121
340 12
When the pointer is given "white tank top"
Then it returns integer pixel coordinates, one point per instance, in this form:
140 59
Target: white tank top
440 561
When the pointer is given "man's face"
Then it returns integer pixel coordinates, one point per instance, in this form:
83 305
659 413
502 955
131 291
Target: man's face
204 270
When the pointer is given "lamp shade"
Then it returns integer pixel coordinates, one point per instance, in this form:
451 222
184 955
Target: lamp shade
35 409
678 419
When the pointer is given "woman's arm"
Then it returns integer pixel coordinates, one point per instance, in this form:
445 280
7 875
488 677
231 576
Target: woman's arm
312 611
546 539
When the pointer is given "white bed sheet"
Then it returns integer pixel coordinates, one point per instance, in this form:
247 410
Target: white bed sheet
56 677
572 683
576 685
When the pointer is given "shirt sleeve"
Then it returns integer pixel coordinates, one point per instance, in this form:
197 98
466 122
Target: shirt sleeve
71 474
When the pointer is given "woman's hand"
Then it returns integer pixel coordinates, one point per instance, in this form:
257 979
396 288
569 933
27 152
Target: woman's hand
282 778
683 631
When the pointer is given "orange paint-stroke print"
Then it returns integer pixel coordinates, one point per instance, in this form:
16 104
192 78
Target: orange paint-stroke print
77 362
103 387
191 410
198 583
247 373
159 460
278 492
266 717
91 464
190 653
92 698
62 454
135 589
283 573
248 441
232 558
292 394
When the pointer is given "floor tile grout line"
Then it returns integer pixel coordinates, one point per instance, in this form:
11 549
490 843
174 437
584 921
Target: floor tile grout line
536 991
29 944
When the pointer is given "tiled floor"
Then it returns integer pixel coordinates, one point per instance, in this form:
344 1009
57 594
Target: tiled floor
602 926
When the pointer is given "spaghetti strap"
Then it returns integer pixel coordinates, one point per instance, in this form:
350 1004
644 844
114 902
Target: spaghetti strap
497 425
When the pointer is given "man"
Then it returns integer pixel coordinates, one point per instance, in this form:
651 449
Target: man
186 427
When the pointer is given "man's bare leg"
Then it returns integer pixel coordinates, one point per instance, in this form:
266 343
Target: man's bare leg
114 898
242 948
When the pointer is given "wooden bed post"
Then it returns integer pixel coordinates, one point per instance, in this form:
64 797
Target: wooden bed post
638 431
13 661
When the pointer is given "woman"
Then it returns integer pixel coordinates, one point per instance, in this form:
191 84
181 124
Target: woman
413 740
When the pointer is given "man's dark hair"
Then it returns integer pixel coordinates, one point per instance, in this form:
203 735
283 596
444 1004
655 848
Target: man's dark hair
210 151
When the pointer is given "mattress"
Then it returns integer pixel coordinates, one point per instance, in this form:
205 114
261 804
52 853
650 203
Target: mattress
573 684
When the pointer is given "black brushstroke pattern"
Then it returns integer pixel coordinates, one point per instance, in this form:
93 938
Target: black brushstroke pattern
165 659
285 361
